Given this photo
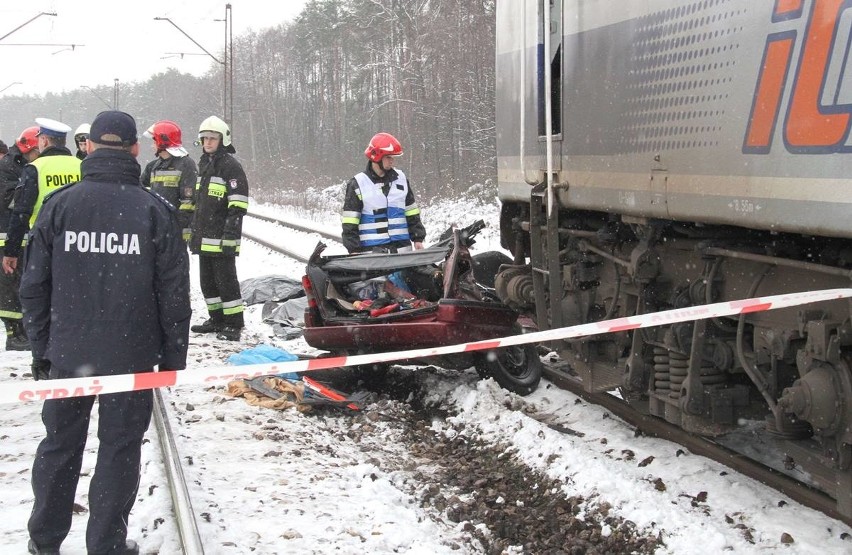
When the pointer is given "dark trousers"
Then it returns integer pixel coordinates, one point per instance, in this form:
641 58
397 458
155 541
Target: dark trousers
10 303
221 289
123 420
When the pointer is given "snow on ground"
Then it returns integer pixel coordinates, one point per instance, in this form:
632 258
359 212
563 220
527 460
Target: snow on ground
265 481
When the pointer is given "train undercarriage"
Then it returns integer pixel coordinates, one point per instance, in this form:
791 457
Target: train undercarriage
785 373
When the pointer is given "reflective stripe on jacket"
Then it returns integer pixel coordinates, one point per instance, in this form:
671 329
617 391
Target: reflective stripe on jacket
174 178
221 199
382 217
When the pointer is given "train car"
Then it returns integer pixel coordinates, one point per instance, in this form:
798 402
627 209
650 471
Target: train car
659 154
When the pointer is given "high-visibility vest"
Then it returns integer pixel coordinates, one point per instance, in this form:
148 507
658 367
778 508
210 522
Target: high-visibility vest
383 218
53 173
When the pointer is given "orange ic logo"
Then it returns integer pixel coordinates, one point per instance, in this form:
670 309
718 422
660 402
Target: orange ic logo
817 119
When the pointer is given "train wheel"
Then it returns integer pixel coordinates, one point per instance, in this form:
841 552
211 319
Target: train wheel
516 368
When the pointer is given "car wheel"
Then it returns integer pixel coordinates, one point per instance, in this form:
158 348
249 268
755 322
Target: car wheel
516 368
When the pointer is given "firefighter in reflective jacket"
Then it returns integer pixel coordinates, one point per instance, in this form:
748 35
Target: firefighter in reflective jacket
54 168
23 152
221 200
172 174
379 209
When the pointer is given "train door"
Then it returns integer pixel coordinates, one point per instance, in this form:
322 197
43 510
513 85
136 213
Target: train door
544 214
549 77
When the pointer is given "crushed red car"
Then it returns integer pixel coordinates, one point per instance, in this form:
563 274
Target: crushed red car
381 302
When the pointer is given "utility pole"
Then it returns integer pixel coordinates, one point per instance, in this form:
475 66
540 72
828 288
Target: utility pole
226 63
229 51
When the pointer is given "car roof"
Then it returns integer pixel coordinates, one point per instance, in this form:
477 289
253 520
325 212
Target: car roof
385 262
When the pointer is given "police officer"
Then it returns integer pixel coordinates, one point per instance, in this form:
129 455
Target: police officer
55 167
221 200
105 291
22 152
172 174
81 135
379 209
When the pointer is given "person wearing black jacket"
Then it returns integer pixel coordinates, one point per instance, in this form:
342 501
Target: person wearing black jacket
22 152
105 291
221 200
379 208
172 174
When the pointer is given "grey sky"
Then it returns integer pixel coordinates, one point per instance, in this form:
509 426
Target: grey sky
120 40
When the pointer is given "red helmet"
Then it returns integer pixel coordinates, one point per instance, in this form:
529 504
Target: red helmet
166 135
381 145
28 141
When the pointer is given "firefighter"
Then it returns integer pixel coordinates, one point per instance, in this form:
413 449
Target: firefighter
379 209
172 174
54 168
22 152
81 136
221 200
105 291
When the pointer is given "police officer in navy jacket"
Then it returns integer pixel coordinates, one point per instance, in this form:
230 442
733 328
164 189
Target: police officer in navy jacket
105 290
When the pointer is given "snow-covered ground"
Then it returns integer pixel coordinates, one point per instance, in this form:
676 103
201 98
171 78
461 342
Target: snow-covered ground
265 481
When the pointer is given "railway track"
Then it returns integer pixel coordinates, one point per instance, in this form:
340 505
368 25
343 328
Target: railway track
657 427
190 537
186 523
278 247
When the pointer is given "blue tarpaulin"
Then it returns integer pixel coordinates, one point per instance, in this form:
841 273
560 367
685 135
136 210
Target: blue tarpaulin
263 354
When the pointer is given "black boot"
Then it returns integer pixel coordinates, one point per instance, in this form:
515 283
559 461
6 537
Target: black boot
208 326
41 550
16 337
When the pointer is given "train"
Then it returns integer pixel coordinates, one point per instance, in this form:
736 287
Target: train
666 154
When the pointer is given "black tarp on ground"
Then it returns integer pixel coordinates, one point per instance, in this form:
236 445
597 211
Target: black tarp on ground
287 319
270 288
283 301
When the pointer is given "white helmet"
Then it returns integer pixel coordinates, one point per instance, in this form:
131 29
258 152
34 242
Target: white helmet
83 129
217 126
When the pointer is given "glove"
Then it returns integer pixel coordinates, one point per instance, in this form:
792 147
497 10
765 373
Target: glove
231 233
41 369
233 225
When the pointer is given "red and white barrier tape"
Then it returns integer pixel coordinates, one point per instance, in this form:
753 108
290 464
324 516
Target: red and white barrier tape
26 391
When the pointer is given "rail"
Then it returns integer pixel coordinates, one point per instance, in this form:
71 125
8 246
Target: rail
301 257
297 226
657 427
187 526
